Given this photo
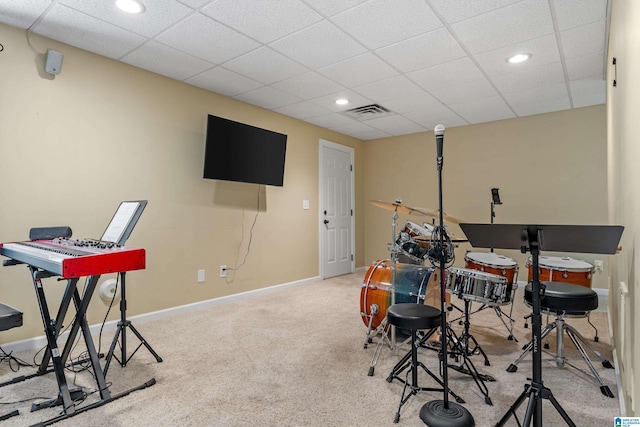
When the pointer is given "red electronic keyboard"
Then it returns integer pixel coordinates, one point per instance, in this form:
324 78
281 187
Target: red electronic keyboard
71 258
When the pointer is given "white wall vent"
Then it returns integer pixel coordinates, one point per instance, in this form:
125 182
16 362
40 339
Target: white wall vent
367 112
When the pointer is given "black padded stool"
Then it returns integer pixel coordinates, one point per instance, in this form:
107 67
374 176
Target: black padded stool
413 317
9 318
566 300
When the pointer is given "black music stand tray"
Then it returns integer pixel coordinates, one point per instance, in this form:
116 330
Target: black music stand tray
118 231
601 239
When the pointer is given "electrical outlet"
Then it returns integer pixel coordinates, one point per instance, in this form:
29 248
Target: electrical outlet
200 276
599 264
223 270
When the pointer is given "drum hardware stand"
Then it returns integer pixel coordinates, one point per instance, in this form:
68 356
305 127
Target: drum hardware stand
443 412
561 238
462 344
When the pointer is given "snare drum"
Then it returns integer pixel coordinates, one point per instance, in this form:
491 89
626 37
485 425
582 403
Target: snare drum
495 264
475 285
411 286
562 269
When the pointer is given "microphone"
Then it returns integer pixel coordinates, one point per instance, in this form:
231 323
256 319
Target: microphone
439 132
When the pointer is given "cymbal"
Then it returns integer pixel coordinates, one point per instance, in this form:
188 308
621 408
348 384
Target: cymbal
397 206
452 237
407 210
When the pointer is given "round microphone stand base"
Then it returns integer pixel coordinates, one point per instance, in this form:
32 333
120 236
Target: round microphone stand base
437 414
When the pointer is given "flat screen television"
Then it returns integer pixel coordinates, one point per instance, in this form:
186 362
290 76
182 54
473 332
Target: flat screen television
239 152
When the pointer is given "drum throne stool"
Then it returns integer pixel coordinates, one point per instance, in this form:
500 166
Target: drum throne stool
413 317
9 318
567 300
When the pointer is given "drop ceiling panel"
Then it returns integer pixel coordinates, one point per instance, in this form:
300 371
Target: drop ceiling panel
386 89
584 40
308 85
157 57
575 13
264 20
528 19
318 45
159 14
359 70
530 78
387 21
425 50
22 13
207 39
273 66
267 97
223 81
303 110
445 75
543 49
459 10
86 32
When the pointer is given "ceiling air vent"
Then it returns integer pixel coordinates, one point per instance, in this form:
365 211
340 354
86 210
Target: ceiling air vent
367 112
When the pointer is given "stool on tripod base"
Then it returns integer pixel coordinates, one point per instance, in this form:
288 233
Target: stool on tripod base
413 317
567 300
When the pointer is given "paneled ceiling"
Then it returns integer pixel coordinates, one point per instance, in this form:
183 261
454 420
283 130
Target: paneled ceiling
420 62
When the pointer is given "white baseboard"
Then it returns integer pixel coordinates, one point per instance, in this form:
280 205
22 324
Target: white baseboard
39 342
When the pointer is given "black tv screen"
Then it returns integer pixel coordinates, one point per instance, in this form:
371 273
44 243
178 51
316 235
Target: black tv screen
239 152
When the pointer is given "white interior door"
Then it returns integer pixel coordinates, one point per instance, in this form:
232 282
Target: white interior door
336 210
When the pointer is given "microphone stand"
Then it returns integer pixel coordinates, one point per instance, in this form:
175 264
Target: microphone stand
443 412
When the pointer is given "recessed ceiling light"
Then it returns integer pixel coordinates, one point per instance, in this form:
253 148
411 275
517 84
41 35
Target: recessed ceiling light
130 6
521 57
342 101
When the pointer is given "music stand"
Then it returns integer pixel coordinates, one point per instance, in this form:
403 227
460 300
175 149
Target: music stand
600 239
118 231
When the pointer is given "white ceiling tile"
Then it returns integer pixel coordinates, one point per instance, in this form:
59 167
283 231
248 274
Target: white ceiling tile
543 49
528 19
272 66
355 100
195 4
542 107
492 108
353 128
472 91
359 70
415 102
429 118
537 95
383 90
574 13
588 92
449 74
458 10
395 125
302 110
223 81
544 75
264 20
425 50
331 120
267 97
331 7
583 40
585 66
158 14
201 36
368 136
22 13
156 57
308 85
77 29
318 45
378 23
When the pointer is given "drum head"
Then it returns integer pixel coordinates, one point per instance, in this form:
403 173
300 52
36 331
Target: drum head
491 259
563 263
417 230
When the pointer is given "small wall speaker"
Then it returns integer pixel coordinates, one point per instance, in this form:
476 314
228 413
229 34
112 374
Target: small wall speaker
54 62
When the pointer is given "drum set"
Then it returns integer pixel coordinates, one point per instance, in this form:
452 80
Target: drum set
411 276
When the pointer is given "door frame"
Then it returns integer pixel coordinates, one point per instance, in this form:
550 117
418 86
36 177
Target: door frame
351 151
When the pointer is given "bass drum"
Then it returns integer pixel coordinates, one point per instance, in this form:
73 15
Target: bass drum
562 269
414 283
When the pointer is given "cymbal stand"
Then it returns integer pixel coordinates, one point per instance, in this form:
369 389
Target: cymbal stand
387 332
535 391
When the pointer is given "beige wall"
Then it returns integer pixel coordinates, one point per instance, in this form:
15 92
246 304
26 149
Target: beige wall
624 152
74 146
550 168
